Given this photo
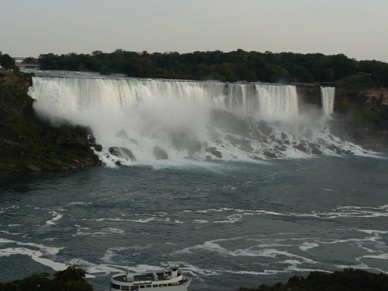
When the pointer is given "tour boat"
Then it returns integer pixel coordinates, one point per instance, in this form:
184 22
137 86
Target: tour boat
168 279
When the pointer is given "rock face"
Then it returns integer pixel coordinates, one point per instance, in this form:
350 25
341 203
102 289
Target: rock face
122 153
344 97
214 152
30 144
309 95
361 114
160 154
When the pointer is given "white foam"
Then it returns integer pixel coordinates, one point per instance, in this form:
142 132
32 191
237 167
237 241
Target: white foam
36 252
380 256
9 233
307 246
200 221
373 231
56 216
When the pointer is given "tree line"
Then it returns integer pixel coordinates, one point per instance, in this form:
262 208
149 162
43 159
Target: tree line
71 279
232 66
7 62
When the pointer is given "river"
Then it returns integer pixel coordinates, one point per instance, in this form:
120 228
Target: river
236 210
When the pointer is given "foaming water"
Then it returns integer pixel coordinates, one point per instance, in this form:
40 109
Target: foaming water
228 224
152 122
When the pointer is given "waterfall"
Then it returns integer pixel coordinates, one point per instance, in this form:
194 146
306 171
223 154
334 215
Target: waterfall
327 97
151 120
78 94
277 100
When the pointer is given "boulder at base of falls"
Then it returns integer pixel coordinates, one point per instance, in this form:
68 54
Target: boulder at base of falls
315 150
122 153
264 128
214 152
228 122
185 139
301 147
159 153
270 155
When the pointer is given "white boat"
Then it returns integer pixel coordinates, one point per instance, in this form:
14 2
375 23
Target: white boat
168 279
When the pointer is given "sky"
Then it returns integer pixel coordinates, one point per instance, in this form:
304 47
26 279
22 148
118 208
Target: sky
356 28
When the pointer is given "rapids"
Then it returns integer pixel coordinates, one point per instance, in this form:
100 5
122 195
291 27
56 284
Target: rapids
178 121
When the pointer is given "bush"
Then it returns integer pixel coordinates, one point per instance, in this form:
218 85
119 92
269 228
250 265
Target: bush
71 279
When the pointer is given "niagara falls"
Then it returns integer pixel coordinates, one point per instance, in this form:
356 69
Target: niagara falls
193 145
234 181
145 121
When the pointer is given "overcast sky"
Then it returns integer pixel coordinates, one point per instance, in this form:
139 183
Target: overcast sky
356 28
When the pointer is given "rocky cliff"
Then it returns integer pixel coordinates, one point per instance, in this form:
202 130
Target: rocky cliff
360 114
30 144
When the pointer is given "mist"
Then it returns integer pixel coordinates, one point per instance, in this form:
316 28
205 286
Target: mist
180 121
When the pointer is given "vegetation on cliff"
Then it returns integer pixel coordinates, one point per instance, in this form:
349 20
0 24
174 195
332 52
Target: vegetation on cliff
71 279
361 116
232 66
29 144
346 280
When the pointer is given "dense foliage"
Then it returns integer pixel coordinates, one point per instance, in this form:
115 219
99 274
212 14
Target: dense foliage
7 62
71 279
346 280
28 143
226 66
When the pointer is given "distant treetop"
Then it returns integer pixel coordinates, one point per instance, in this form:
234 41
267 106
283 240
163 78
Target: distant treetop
232 66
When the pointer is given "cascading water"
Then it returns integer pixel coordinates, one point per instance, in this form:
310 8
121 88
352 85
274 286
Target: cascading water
148 120
327 95
277 101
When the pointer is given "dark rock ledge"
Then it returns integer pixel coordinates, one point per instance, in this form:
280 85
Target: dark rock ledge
29 144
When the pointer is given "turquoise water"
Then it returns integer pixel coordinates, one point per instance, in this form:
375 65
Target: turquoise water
228 224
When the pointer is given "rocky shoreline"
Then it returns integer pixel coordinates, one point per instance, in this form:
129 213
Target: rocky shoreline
29 144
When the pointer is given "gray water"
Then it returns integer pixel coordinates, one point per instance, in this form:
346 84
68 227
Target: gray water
228 224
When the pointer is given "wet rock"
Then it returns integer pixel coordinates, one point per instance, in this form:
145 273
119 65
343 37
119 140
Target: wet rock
159 153
316 151
228 122
8 132
122 153
348 152
98 148
186 140
280 148
283 135
270 155
214 152
264 128
33 168
321 141
335 149
301 147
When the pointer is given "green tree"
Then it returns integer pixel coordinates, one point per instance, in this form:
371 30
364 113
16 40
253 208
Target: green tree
7 62
30 60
